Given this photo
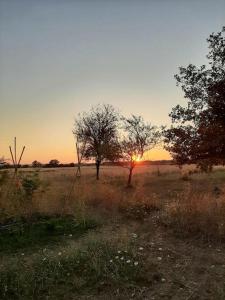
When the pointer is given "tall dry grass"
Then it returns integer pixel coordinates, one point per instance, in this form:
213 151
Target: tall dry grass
190 203
194 213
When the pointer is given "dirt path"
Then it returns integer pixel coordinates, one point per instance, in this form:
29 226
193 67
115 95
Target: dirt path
189 269
174 268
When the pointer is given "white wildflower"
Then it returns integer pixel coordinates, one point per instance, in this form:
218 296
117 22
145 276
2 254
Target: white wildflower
60 253
122 258
159 258
141 248
136 263
128 261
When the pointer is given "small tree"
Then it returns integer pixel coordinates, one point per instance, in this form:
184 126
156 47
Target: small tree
97 130
53 163
36 164
139 138
30 184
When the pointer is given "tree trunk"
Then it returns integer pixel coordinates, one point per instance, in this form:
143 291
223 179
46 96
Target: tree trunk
130 177
78 173
97 169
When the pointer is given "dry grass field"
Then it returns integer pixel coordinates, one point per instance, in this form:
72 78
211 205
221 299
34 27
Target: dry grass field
86 239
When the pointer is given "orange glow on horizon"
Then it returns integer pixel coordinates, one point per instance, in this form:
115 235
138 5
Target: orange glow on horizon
63 151
68 155
137 158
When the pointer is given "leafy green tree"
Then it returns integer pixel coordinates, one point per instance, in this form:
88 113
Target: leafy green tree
198 131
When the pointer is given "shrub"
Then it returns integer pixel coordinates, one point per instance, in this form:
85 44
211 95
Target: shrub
30 184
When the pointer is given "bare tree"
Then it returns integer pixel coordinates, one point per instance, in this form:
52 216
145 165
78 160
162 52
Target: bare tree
139 138
97 130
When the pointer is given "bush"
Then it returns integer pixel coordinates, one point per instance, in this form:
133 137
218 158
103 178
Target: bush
30 184
41 230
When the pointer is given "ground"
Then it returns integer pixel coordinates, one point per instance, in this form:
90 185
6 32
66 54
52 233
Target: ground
81 239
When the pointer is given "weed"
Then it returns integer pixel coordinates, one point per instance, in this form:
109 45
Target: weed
139 211
95 267
30 184
4 175
42 231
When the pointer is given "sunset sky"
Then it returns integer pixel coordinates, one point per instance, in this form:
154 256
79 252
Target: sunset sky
58 58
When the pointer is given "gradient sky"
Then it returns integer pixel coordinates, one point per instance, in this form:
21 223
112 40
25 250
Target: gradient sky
57 58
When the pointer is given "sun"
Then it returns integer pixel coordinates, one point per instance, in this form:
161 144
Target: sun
136 158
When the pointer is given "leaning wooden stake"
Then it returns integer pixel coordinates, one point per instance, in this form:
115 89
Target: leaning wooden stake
14 157
78 173
80 155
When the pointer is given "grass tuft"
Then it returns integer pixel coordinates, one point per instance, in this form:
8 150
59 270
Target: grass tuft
42 231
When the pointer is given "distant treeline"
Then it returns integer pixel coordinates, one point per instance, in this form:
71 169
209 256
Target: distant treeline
72 165
141 163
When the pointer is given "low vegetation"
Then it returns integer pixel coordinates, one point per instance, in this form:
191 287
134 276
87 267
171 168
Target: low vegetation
42 230
100 240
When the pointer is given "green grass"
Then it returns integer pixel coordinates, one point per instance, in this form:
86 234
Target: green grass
92 269
46 230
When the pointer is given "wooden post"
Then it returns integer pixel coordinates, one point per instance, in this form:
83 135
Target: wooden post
14 156
21 155
78 174
80 153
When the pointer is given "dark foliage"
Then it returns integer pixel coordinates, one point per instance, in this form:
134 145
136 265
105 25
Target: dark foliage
53 163
199 133
36 164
